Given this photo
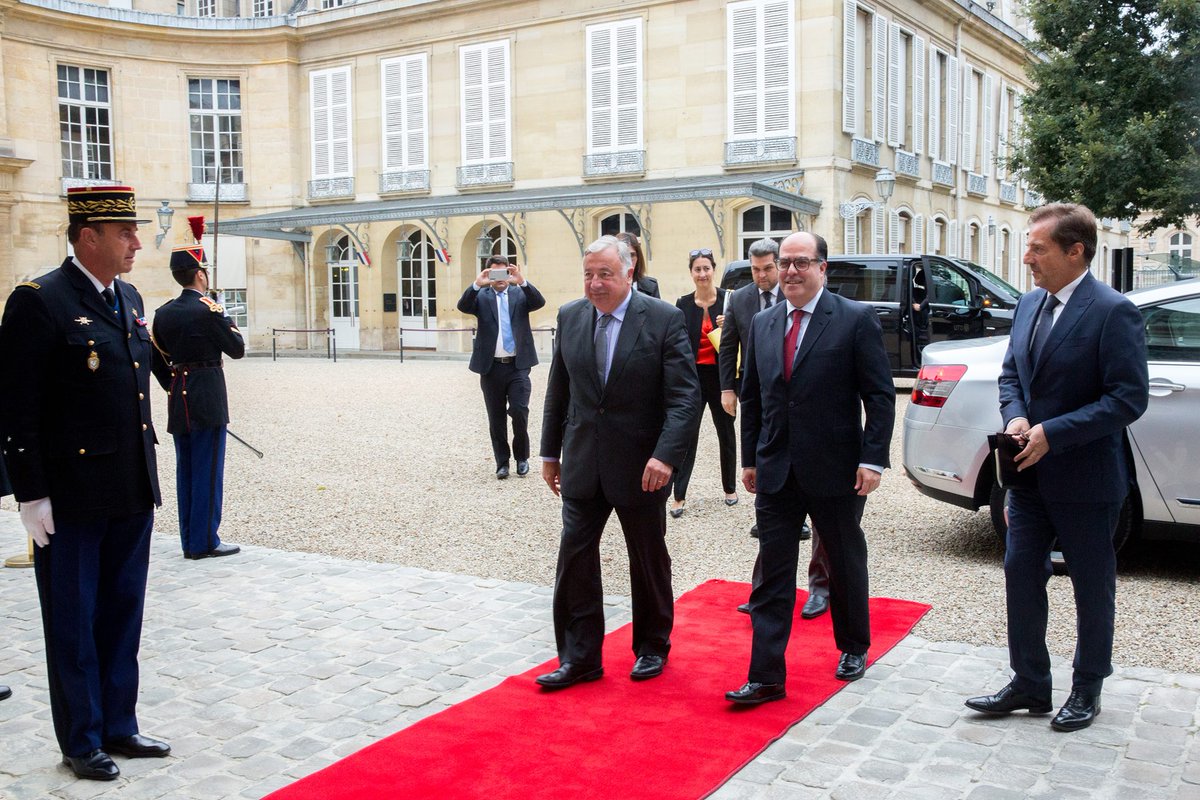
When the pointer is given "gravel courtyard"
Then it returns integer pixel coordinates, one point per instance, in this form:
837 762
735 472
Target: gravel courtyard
377 460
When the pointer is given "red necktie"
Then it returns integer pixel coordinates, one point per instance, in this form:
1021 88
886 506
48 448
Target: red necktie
789 344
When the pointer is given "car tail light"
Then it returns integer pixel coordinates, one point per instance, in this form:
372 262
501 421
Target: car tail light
935 383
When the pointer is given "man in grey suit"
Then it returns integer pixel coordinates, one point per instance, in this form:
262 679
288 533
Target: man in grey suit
739 311
621 400
503 355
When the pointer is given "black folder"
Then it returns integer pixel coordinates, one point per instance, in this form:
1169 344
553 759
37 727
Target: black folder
1004 450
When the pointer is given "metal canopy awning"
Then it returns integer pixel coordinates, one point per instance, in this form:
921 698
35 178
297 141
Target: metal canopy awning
776 188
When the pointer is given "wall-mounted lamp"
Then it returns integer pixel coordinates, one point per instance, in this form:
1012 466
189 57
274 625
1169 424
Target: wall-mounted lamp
164 213
404 250
1152 242
332 251
483 243
991 227
885 184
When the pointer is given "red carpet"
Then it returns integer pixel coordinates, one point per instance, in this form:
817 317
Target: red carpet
670 737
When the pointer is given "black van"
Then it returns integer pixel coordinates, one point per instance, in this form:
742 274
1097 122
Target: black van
965 300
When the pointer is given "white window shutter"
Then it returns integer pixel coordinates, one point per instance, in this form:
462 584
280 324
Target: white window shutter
628 85
850 232
918 95
498 94
318 83
340 122
878 230
918 235
474 145
985 250
953 110
614 88
988 148
486 135
969 110
935 106
894 89
416 105
404 110
777 45
849 62
893 232
1014 260
879 69
932 244
1002 133
600 56
952 238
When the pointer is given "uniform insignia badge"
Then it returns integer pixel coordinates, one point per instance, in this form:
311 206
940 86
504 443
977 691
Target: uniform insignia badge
141 321
30 284
213 305
83 320
93 361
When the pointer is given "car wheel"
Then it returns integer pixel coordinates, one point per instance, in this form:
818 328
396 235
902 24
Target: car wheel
998 501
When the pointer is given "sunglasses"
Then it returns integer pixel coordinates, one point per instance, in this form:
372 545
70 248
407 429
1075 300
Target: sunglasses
702 252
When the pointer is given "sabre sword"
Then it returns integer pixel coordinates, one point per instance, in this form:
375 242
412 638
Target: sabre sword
249 446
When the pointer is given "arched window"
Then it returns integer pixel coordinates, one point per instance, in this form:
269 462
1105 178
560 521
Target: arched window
936 243
1181 247
620 223
760 222
972 243
903 239
503 244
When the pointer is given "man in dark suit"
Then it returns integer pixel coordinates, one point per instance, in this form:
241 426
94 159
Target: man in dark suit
742 307
503 354
1074 378
621 401
813 364
75 420
190 334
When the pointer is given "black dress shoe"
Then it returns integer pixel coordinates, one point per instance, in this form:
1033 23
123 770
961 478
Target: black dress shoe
754 531
647 667
95 766
5 692
502 472
222 549
1008 700
1080 710
522 469
753 694
805 532
676 513
814 606
851 667
138 746
744 608
568 675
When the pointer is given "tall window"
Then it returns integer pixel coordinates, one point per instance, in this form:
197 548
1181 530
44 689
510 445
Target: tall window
485 103
331 123
84 123
1006 126
943 108
760 52
215 106
900 50
206 8
620 223
1180 247
977 121
864 72
759 222
262 8
405 124
614 86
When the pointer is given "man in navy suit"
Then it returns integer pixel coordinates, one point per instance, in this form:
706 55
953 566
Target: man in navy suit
503 354
79 443
622 400
813 364
1074 378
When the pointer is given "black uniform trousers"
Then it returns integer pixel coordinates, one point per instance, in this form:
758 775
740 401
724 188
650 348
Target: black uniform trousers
710 395
1084 532
200 487
773 602
579 595
91 580
506 391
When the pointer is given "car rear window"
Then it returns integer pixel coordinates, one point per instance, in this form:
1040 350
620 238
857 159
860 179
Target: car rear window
865 282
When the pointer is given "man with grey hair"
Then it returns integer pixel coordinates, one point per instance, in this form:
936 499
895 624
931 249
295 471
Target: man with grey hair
621 400
740 309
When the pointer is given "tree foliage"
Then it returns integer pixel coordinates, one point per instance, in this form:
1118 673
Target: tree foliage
1113 119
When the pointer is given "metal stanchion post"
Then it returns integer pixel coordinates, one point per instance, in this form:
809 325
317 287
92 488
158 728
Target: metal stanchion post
21 561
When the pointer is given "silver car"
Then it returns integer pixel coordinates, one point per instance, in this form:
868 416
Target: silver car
955 405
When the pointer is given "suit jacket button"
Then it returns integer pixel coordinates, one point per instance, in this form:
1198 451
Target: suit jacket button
185 373
91 342
144 426
129 336
136 365
141 396
82 451
185 391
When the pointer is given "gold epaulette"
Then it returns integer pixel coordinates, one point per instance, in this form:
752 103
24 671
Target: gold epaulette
30 284
213 305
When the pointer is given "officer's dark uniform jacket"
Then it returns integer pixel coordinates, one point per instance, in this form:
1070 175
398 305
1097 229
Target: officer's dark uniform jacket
190 333
75 409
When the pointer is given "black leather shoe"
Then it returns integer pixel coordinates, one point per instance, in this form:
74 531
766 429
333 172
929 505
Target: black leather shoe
1008 700
5 692
138 746
95 766
222 549
805 532
744 608
568 675
1080 710
502 472
753 694
647 667
676 513
814 606
522 469
754 531
851 667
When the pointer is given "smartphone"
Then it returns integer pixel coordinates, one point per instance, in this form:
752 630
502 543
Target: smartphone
500 274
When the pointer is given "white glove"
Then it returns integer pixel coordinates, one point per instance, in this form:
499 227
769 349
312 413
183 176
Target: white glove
38 520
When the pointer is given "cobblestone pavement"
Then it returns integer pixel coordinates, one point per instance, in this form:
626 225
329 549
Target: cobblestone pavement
264 667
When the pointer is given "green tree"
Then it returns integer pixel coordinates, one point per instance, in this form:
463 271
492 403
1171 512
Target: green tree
1113 119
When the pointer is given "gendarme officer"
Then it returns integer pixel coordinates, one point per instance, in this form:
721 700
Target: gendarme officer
190 334
75 419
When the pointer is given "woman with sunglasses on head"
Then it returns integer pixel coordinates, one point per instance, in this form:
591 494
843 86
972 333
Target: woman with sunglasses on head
703 311
641 281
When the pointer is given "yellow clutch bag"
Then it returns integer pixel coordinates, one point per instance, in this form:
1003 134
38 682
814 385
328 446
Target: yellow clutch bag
714 336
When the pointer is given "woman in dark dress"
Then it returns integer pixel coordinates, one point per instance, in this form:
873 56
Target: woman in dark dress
703 311
641 281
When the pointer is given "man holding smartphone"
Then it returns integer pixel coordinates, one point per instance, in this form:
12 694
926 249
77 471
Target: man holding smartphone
501 299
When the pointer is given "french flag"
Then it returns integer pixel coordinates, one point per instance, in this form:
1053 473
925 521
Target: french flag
442 254
363 258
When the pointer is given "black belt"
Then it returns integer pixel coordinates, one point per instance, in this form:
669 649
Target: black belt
198 365
506 360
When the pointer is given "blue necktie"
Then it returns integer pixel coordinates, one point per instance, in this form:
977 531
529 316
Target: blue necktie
506 336
1045 323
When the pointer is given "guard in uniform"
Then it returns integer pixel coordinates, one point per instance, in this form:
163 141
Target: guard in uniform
190 334
79 443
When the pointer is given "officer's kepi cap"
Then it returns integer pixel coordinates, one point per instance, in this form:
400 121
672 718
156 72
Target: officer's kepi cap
188 257
102 204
